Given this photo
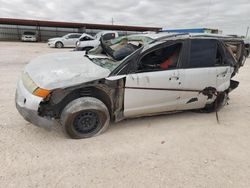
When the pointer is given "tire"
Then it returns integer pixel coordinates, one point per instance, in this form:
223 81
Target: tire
85 117
59 45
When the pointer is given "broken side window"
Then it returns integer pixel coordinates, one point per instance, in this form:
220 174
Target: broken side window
161 59
203 53
220 56
235 49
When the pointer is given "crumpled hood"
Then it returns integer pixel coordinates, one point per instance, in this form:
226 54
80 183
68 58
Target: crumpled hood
60 70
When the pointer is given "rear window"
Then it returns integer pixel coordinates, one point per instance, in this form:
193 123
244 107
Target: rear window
108 36
74 36
202 53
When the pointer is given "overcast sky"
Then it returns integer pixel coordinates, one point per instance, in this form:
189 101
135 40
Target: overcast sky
231 16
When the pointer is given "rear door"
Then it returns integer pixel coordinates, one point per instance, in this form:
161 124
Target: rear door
224 67
198 74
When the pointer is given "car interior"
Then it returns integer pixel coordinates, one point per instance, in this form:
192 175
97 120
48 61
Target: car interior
161 59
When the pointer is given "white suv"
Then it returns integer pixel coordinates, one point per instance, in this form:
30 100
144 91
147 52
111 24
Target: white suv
129 77
86 43
68 40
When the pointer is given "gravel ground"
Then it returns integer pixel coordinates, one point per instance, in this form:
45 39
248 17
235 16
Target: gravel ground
180 150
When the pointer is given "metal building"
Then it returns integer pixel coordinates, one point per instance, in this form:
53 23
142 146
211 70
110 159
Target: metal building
193 30
12 29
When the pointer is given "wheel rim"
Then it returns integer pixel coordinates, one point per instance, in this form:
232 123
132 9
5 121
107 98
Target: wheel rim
86 122
59 45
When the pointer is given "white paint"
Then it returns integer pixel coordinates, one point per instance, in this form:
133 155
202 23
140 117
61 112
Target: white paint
60 70
141 101
25 99
96 40
66 40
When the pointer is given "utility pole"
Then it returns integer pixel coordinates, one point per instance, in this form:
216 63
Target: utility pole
247 31
112 21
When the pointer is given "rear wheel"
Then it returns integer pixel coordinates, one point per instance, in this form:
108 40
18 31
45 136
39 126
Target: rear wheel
59 45
85 117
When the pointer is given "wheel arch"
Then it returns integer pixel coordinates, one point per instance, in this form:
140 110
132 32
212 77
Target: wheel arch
59 41
59 100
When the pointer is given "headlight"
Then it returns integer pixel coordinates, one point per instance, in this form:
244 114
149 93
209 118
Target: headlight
30 85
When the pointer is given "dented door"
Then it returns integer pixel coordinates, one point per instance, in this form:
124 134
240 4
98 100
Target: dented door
194 81
223 75
151 92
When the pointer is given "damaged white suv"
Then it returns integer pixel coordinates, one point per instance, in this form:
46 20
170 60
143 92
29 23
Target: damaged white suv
128 77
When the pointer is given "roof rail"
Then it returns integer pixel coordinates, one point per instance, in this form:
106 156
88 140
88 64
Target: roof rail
168 36
210 35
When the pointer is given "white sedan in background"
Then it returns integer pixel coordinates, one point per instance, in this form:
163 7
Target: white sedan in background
68 40
86 42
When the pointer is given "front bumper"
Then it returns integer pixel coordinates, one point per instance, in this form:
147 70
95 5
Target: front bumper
27 105
29 39
51 44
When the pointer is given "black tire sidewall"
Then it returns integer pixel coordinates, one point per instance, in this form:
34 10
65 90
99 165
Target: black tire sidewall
59 43
69 128
80 105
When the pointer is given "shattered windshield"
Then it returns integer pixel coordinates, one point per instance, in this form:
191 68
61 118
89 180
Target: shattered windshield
121 47
117 49
131 38
106 63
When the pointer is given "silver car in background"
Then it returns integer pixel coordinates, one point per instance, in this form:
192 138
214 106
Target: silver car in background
68 40
29 36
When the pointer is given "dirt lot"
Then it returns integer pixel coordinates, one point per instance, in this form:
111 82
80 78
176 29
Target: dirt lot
180 150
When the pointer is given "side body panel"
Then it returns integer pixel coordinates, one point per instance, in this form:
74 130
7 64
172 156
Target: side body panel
70 42
196 79
223 77
152 92
89 43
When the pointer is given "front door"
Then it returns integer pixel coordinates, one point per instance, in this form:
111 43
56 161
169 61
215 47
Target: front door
151 92
155 88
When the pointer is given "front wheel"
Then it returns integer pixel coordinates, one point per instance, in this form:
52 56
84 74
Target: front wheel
85 117
59 45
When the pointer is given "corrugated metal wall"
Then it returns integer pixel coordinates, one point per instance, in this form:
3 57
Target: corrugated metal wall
14 32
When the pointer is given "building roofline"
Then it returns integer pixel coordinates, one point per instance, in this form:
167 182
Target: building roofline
42 23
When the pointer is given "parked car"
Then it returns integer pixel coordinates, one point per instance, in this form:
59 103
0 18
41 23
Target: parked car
68 40
129 77
29 36
86 43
